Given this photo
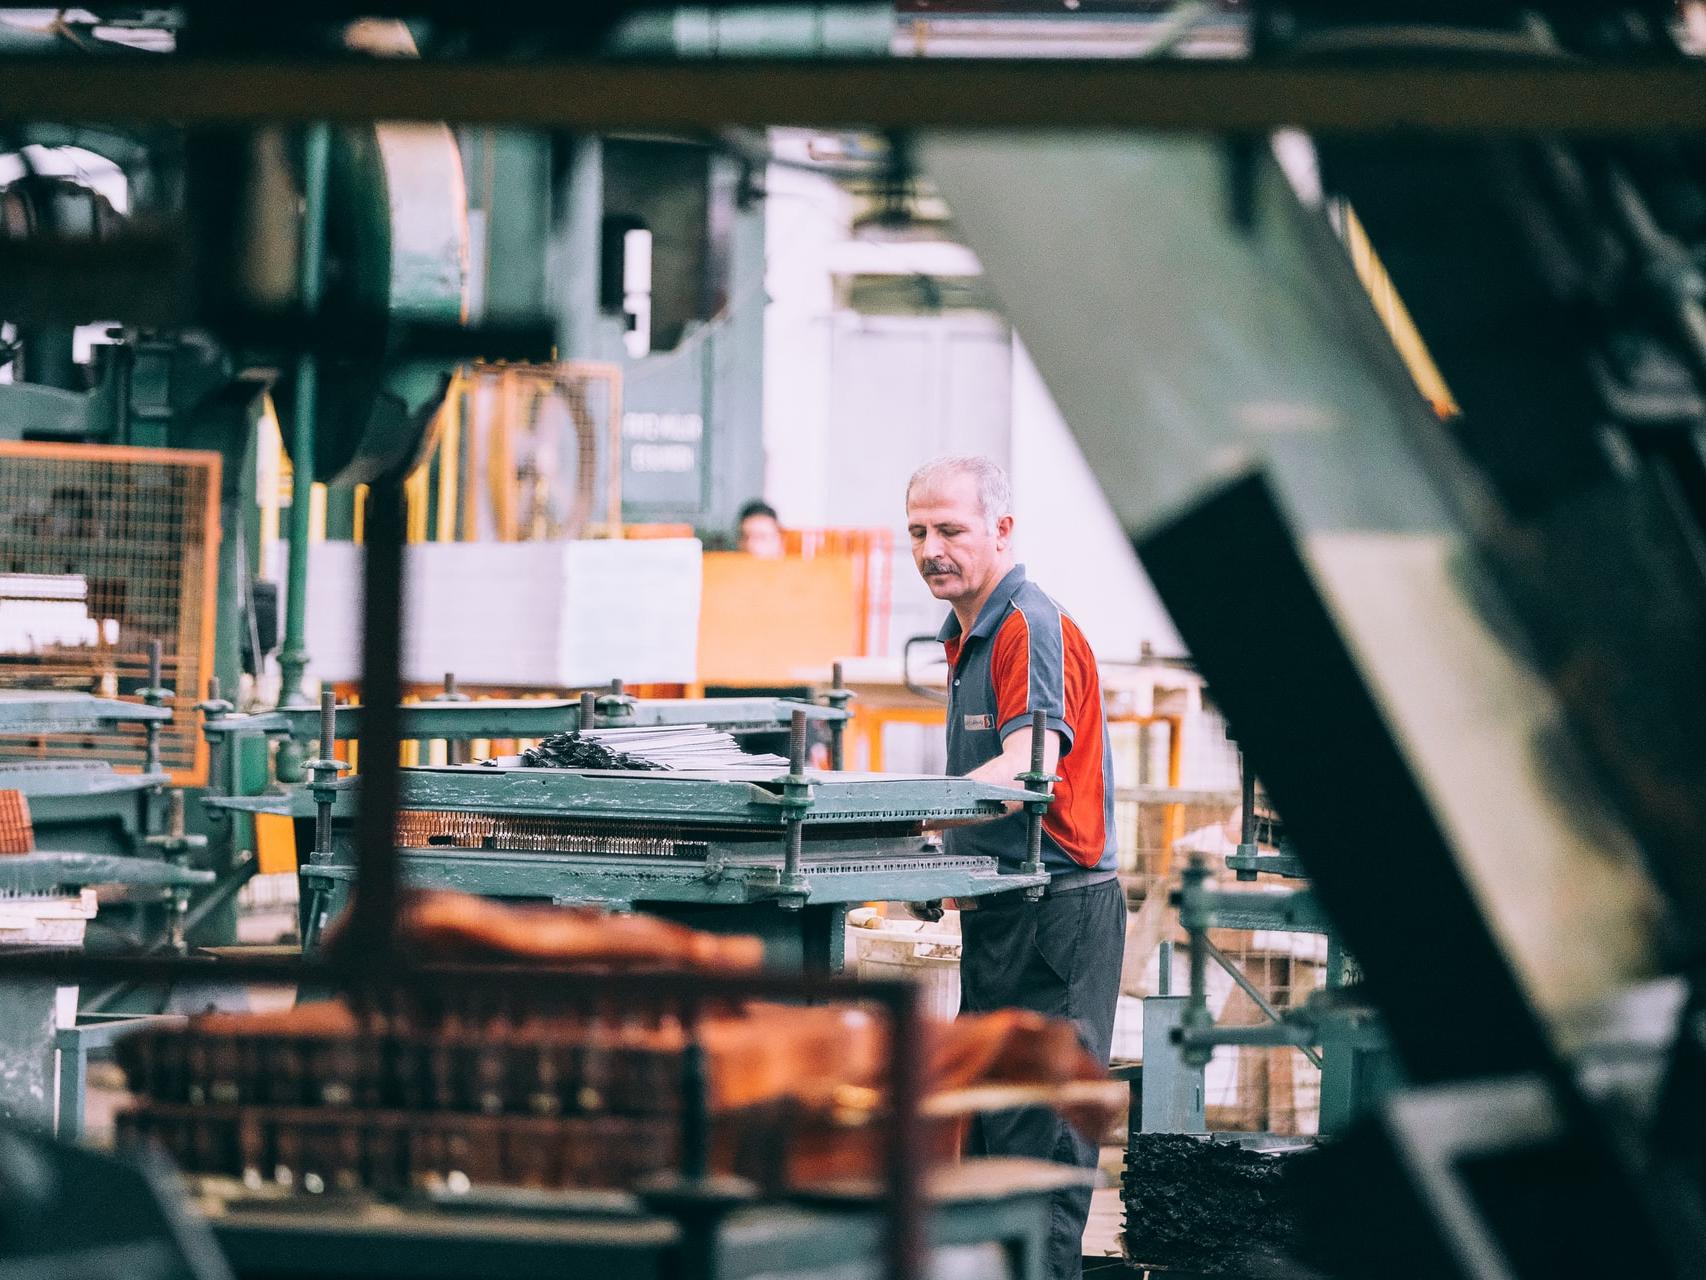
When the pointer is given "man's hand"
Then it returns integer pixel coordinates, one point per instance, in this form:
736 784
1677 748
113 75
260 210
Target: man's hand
1015 758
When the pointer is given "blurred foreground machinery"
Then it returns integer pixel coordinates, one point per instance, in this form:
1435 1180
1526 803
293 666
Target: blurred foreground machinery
620 1099
325 268
1495 624
772 849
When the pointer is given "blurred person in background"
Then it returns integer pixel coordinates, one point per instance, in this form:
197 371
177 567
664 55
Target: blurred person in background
760 530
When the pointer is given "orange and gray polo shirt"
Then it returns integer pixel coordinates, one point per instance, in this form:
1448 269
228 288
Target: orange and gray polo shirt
1025 653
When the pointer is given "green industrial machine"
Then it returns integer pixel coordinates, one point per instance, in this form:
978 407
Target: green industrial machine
328 271
781 858
742 850
988 1221
82 804
1339 1035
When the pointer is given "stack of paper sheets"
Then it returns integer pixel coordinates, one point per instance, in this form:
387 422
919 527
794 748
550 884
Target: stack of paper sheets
695 747
682 746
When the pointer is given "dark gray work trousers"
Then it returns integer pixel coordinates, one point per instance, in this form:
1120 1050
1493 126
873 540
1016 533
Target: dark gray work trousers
1060 956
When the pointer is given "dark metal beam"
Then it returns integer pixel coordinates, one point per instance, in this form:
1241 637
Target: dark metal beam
880 93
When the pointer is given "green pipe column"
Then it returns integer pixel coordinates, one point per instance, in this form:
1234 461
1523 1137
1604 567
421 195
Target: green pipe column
293 659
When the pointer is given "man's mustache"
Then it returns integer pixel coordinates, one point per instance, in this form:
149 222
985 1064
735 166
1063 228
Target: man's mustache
937 566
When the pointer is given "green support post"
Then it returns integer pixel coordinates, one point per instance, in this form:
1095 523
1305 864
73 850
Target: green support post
838 697
155 695
796 799
293 660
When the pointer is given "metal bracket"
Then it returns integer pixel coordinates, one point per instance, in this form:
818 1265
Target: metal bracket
1041 784
615 708
796 800
837 697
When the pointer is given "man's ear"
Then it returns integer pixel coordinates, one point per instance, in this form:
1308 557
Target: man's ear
1003 531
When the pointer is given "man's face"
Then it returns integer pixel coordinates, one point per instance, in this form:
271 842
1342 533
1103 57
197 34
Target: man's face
761 536
956 553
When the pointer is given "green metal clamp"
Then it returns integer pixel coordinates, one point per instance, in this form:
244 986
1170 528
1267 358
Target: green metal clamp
457 752
836 698
1250 866
1196 916
1201 909
796 800
177 846
214 708
155 695
323 773
616 708
1040 783
1247 849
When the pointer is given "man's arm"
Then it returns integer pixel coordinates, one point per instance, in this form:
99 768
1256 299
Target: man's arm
1015 758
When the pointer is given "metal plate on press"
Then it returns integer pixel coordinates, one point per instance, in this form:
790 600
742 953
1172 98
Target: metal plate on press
737 797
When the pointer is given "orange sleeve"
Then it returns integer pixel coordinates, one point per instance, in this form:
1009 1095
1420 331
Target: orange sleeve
1025 668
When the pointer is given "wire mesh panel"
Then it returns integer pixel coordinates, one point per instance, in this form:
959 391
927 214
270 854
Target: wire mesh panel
102 550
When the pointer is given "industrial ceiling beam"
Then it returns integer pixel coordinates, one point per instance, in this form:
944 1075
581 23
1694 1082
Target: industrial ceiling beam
877 93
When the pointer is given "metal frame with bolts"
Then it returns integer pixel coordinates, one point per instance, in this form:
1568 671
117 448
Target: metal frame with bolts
1341 1040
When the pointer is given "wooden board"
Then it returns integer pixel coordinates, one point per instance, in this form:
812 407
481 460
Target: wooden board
775 621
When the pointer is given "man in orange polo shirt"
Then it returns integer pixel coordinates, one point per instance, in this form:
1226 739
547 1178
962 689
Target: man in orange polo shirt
1012 651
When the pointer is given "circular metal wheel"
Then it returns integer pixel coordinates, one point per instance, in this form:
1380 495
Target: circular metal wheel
396 259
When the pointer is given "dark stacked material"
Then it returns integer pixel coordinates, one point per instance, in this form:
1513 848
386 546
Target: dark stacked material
578 751
1209 1208
647 747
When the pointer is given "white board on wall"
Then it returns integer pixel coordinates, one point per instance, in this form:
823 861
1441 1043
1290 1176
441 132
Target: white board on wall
545 614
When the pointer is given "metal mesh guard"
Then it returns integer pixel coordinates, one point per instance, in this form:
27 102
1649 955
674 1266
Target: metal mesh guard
139 528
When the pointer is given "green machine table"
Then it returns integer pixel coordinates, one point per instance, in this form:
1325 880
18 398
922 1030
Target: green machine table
988 1221
708 849
80 804
33 1087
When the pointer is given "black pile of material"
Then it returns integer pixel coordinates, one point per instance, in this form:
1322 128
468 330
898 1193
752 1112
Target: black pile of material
1209 1208
572 751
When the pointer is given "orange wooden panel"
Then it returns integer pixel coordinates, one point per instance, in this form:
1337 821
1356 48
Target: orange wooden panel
17 835
275 843
776 621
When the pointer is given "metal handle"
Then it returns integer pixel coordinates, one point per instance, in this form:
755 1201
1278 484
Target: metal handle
912 686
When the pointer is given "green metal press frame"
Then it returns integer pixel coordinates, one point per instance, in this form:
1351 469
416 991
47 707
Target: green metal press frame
860 840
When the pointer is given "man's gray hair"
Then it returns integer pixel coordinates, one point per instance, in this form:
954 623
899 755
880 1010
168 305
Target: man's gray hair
994 489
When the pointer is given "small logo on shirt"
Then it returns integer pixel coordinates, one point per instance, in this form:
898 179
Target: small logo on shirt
980 722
